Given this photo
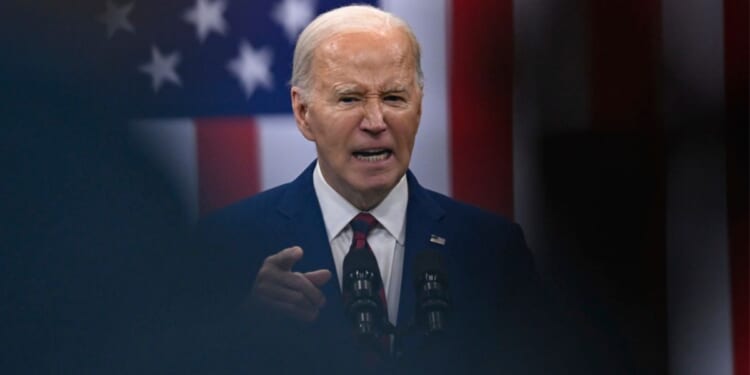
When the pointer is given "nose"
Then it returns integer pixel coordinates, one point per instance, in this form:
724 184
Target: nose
373 120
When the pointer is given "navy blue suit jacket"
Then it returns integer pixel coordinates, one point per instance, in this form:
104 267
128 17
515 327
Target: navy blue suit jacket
492 284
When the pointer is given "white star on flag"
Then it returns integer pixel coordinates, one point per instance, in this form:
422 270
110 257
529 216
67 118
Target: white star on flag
162 68
116 18
207 16
293 15
252 68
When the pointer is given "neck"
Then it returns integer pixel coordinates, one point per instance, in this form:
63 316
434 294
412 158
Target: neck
364 202
361 200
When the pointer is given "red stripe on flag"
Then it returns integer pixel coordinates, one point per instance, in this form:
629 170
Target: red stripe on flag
625 47
481 87
736 61
228 161
625 110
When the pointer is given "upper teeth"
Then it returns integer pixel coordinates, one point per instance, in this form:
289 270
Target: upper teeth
372 155
371 152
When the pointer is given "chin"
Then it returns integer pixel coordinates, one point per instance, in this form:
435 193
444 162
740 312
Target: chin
379 186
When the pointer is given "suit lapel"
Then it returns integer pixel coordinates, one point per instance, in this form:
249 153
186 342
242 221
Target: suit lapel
306 229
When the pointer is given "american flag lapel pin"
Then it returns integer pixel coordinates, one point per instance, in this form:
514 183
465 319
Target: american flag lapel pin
437 239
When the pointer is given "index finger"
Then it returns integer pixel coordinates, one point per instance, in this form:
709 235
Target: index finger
285 259
300 283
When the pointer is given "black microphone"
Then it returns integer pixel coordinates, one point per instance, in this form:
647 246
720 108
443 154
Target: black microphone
431 283
361 286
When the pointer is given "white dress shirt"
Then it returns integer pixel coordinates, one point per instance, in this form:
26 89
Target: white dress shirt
386 240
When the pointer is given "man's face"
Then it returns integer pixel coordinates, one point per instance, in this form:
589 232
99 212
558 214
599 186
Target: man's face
362 112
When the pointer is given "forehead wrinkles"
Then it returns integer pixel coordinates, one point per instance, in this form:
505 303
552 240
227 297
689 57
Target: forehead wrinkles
383 45
363 50
345 87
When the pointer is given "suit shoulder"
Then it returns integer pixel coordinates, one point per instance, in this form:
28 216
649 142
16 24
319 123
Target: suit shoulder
479 222
465 211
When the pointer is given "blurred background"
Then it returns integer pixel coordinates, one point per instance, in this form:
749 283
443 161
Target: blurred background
615 133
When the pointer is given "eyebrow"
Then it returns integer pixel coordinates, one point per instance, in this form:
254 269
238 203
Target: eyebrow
395 90
346 90
397 86
353 89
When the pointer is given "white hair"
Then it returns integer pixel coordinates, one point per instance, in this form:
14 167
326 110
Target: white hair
351 18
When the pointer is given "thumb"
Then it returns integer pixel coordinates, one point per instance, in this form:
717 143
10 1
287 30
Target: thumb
318 277
285 259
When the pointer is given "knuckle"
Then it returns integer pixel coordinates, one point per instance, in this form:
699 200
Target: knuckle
265 269
261 280
295 282
299 300
267 261
270 260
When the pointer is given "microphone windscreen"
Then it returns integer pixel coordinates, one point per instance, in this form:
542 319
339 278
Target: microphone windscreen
360 259
431 261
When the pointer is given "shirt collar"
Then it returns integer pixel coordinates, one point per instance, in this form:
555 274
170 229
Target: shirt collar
338 212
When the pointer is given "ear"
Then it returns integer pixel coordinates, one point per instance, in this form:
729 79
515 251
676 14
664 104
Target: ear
301 108
419 103
419 106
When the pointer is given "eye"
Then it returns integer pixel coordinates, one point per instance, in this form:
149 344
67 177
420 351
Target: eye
348 99
393 98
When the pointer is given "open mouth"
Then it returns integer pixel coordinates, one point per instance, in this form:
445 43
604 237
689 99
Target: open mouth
373 155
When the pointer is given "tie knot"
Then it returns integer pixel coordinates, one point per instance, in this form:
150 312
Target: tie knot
363 223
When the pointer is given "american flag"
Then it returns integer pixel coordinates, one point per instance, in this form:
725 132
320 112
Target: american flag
206 58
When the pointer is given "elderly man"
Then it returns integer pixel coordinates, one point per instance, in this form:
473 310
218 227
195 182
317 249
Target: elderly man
357 94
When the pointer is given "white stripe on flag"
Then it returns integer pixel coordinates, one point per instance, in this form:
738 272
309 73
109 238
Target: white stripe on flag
699 299
284 152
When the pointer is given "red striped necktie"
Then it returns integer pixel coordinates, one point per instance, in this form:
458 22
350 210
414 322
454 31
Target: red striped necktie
362 224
